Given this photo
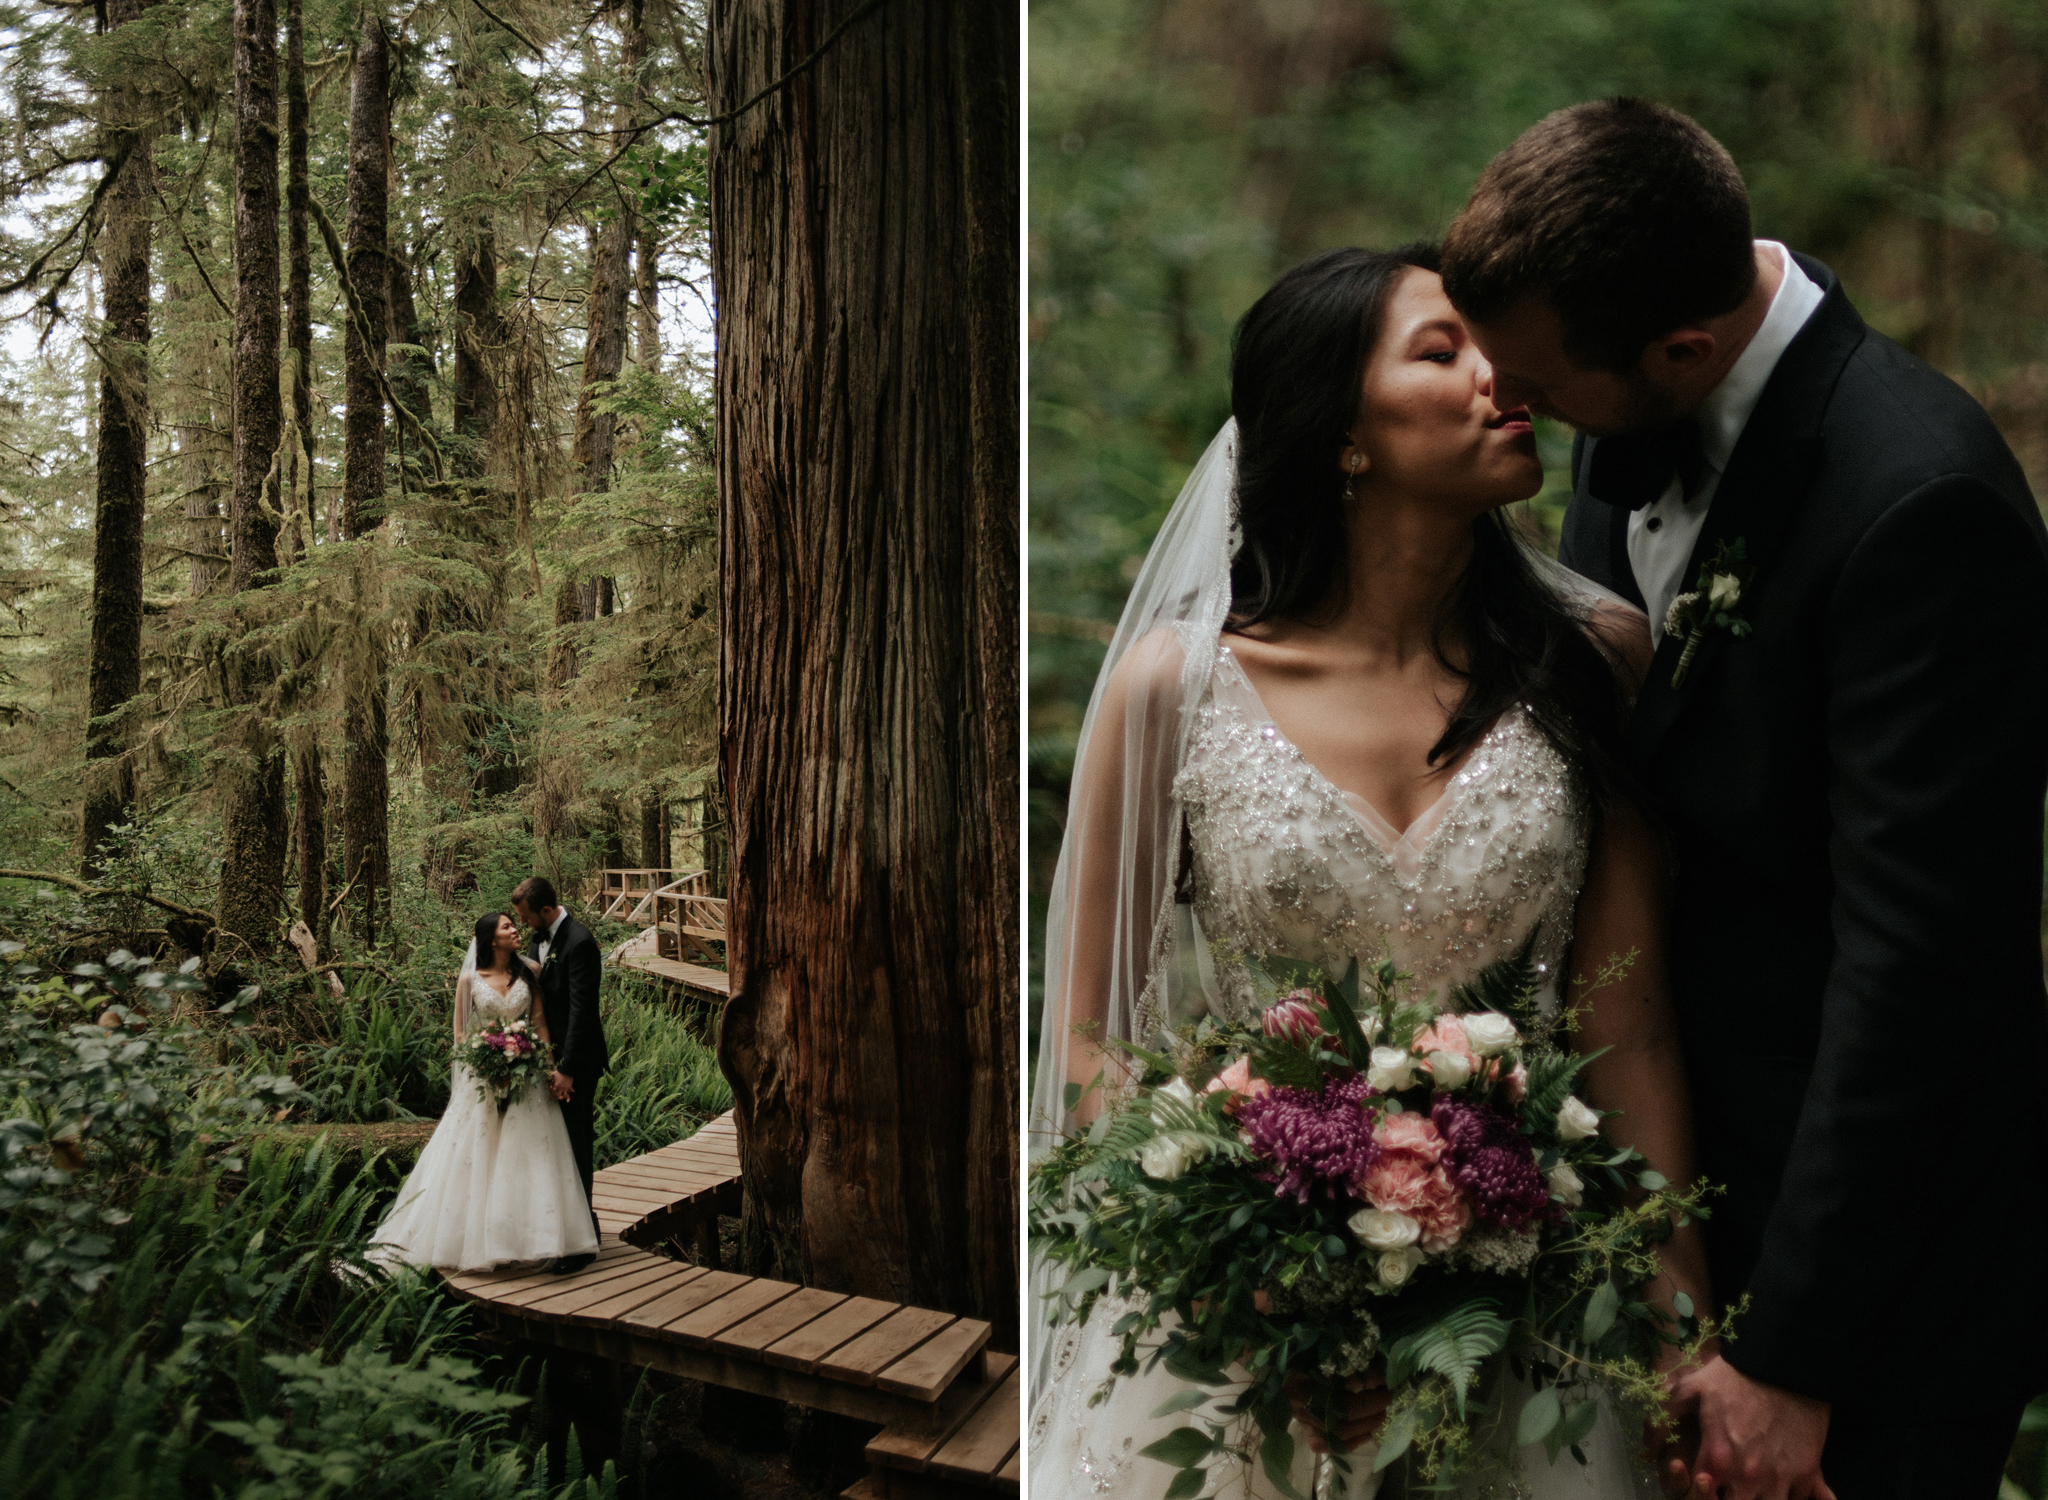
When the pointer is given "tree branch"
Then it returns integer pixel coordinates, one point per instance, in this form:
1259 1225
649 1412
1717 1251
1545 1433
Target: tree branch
190 913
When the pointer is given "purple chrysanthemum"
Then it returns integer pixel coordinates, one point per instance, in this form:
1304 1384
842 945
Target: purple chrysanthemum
1316 1141
1492 1163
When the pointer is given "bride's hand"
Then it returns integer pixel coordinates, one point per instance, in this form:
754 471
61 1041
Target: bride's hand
1365 1408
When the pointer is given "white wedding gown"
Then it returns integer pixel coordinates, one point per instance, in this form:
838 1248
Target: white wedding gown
1285 863
490 1190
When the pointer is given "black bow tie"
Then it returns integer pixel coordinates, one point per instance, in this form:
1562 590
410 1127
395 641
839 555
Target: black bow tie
1633 469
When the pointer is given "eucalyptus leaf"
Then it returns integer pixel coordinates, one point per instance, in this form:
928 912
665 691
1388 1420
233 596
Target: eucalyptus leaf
1180 1401
1540 1417
1578 1422
1187 1483
1181 1448
1600 1312
1276 1456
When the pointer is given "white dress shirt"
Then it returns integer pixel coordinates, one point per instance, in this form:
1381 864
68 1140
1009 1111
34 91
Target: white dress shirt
1661 535
561 916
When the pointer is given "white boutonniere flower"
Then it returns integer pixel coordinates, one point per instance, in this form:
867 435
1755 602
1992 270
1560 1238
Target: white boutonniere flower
1711 605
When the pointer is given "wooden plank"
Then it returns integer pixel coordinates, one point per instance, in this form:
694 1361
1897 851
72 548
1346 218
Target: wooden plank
516 1278
492 1291
986 1439
706 1288
909 1444
881 1346
575 1298
931 1366
612 1308
1012 1471
702 1325
803 1349
590 1276
778 1322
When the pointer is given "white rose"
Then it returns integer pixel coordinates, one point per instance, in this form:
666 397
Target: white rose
1379 1229
1490 1034
1396 1266
1163 1158
1392 1070
1724 591
1565 1185
1178 1089
1575 1122
1448 1070
1369 1024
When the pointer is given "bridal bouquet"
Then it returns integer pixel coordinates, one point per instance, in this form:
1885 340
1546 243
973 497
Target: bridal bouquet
1354 1184
507 1060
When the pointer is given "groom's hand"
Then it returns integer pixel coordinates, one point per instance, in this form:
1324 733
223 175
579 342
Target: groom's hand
1365 1408
561 1085
1756 1441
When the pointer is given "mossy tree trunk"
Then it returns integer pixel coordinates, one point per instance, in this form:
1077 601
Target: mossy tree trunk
114 666
366 785
863 227
253 824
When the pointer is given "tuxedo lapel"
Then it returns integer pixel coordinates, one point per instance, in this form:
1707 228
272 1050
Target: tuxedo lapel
1758 497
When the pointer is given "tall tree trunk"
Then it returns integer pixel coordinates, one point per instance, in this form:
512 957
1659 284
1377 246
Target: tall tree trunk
114 669
299 293
647 296
653 844
252 821
605 324
366 792
863 226
412 373
309 775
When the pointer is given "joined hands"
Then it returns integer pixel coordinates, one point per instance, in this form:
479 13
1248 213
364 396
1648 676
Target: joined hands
1755 1442
561 1086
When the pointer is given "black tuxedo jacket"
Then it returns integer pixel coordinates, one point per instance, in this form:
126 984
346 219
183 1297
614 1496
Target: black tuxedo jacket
568 989
1854 795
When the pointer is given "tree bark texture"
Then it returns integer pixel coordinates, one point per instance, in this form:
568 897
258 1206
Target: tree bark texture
114 667
299 285
863 229
252 820
365 774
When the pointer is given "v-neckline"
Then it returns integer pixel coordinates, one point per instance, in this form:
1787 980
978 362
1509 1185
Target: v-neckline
506 992
1376 824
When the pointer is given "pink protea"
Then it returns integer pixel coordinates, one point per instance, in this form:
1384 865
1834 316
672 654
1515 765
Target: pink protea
1293 1018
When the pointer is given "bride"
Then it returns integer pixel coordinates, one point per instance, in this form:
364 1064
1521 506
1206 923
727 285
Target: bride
1349 713
491 1189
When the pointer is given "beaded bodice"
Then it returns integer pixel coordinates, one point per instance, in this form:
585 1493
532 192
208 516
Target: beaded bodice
486 1004
1285 863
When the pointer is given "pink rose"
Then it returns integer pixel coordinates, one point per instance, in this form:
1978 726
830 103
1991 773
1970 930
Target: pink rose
1447 1034
1237 1080
1409 1179
1293 1018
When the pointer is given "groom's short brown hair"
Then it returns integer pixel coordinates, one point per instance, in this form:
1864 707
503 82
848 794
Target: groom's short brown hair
535 893
1626 217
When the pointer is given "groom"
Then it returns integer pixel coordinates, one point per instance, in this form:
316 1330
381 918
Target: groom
570 969
1852 786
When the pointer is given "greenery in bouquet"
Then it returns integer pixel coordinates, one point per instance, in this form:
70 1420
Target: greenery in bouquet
506 1060
1359 1184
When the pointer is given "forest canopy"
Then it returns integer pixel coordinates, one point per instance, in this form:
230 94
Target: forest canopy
474 631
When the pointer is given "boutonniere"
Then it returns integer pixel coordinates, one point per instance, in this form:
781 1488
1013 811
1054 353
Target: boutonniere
1711 605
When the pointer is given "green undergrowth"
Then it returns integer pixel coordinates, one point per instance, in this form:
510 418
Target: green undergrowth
184 1305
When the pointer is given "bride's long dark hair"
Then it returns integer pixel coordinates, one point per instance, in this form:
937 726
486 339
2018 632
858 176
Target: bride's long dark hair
1297 368
487 941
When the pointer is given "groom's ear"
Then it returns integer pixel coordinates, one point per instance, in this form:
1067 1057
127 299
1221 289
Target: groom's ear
1679 353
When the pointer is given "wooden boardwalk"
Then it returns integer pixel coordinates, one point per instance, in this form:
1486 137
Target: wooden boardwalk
949 1407
642 954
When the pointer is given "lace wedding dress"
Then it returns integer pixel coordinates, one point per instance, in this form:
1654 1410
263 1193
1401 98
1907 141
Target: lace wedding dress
490 1189
1286 863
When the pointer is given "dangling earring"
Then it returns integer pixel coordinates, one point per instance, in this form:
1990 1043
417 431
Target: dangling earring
1351 478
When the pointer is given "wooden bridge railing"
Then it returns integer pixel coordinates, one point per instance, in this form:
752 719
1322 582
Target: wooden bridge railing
623 895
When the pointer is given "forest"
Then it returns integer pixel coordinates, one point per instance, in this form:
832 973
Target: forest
361 528
1182 153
